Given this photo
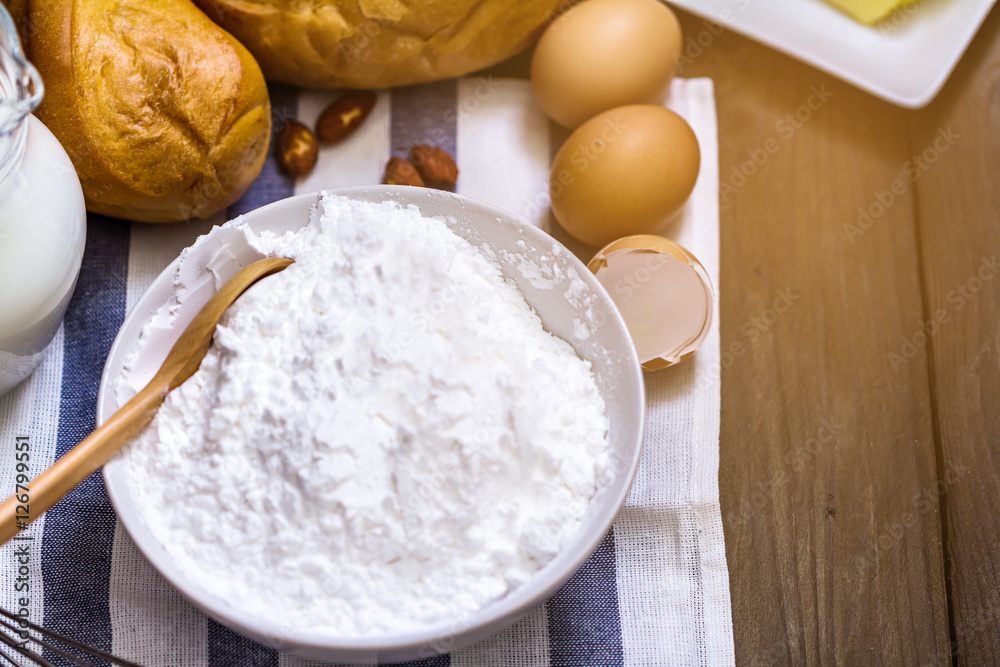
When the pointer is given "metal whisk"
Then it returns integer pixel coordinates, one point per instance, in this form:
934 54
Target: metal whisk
12 642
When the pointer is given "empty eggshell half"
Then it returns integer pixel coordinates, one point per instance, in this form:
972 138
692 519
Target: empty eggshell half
663 293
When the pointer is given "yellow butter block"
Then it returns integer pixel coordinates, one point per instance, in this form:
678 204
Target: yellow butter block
869 11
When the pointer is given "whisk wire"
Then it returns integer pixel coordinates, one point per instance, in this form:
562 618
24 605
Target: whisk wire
7 659
42 642
28 653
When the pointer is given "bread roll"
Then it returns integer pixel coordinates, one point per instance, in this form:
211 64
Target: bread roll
165 115
379 43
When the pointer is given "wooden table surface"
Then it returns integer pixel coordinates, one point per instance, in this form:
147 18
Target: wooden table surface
860 445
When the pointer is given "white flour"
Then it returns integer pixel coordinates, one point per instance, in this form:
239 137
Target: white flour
383 437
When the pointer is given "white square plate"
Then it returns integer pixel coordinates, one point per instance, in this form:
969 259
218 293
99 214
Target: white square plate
904 59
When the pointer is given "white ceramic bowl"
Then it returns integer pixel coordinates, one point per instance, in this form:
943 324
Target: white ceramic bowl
609 348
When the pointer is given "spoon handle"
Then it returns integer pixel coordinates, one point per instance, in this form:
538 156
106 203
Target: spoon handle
78 463
97 449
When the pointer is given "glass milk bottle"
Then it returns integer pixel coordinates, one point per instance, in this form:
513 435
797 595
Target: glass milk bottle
42 219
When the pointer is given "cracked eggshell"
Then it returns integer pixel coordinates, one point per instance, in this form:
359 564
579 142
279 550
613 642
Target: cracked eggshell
663 293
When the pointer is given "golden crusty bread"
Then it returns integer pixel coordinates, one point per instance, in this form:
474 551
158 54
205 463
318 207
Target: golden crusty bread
165 116
379 43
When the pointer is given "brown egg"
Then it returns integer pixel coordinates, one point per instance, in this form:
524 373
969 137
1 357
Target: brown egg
626 171
603 54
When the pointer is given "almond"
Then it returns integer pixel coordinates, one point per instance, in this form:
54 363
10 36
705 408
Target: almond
297 149
400 172
436 167
345 115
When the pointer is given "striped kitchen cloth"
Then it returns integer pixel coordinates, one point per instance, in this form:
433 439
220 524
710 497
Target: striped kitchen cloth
656 591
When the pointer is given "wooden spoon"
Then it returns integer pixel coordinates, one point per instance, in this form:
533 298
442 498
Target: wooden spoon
31 500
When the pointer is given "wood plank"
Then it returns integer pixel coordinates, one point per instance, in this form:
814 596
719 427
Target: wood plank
828 459
958 213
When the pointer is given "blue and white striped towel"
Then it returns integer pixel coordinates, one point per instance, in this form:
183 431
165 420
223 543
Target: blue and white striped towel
656 592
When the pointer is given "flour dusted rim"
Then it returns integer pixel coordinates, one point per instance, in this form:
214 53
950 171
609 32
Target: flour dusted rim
614 359
386 422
